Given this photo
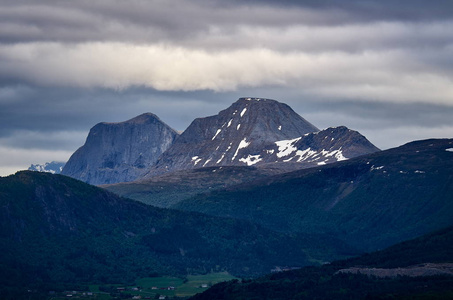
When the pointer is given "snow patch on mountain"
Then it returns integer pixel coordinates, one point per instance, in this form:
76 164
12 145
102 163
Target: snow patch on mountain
250 160
196 160
306 154
335 153
259 131
218 131
221 158
207 161
242 144
286 147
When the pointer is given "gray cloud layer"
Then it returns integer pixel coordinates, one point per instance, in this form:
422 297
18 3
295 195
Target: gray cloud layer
381 67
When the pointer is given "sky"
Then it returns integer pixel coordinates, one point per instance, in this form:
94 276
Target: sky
381 67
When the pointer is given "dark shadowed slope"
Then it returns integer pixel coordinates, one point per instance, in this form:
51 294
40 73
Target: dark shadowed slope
55 229
371 201
327 283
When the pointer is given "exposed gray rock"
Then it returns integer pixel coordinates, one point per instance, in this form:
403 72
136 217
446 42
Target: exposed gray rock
257 131
220 140
120 152
315 149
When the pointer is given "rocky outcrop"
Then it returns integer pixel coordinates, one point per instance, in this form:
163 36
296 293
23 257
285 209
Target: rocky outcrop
256 131
251 132
244 128
120 152
315 149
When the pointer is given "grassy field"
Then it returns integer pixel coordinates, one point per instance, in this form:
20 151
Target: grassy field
151 286
183 288
195 282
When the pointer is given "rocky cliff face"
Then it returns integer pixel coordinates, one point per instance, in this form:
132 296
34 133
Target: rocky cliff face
246 127
120 152
256 131
252 131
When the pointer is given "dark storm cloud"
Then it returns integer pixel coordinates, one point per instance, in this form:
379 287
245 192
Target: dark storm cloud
366 10
176 20
384 114
33 116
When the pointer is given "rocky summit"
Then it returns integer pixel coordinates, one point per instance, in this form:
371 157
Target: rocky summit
120 152
258 131
316 148
251 132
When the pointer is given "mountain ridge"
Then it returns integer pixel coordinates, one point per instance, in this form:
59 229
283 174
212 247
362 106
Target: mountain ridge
254 131
251 131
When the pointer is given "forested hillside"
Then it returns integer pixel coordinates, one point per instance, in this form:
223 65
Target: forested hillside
327 283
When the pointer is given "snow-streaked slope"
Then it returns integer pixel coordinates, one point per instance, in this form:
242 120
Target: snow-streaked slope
233 137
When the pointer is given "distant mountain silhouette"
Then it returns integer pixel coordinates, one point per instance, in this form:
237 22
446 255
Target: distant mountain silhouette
53 167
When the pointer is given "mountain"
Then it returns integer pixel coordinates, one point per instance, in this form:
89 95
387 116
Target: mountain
256 131
433 252
118 152
54 167
252 139
167 189
251 132
317 148
57 231
370 202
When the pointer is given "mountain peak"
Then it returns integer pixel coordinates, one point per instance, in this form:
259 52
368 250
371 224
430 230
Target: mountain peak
119 152
263 118
226 139
141 119
255 99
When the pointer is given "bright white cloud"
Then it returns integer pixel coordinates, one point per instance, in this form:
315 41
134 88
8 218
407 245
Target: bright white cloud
371 75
